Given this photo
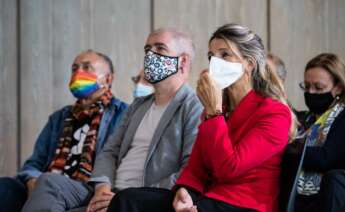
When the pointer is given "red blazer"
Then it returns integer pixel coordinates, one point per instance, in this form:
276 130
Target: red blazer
238 161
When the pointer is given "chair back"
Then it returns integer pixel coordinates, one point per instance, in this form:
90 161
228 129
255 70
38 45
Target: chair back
291 167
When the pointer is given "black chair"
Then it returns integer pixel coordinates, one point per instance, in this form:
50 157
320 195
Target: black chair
291 167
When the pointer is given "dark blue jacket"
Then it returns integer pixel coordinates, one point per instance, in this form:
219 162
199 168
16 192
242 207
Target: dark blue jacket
47 141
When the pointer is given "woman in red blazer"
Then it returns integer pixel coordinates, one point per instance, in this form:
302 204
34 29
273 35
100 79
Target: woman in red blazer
235 162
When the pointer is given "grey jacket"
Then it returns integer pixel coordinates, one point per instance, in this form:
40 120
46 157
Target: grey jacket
171 143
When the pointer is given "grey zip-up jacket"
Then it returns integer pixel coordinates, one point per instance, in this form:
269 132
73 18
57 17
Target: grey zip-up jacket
170 147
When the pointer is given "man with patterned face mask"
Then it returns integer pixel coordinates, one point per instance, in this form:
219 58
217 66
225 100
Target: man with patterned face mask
65 151
156 135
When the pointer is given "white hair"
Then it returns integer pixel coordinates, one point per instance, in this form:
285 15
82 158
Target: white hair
183 41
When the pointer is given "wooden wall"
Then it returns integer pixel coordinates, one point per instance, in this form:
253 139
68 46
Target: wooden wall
202 17
54 32
300 30
40 38
8 87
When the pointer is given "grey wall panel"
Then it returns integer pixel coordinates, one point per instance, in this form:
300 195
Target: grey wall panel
54 32
302 29
37 84
8 87
67 42
120 29
201 17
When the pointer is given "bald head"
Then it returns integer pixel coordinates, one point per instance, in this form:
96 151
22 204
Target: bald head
103 57
96 63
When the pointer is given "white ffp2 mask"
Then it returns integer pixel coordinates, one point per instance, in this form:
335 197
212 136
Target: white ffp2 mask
224 73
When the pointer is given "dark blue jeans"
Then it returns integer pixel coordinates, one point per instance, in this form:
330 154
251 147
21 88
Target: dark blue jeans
13 194
160 199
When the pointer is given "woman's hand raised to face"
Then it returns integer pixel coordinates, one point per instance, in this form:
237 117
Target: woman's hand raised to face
209 93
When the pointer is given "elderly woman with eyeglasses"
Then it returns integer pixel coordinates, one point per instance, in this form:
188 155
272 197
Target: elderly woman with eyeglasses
321 183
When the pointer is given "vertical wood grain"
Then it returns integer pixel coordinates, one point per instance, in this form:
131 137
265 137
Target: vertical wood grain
8 87
120 29
301 30
37 85
54 32
202 17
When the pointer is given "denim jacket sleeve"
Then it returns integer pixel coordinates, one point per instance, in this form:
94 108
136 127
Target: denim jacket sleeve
43 149
110 122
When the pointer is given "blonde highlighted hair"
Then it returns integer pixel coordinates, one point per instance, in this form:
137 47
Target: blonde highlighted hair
334 65
264 81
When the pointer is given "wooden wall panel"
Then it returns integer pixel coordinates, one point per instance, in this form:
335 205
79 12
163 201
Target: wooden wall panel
302 29
202 17
8 87
119 28
54 32
36 70
66 42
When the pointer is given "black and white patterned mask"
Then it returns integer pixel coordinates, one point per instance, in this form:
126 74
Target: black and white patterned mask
158 67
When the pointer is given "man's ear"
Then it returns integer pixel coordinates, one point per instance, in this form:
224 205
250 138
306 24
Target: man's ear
109 79
184 61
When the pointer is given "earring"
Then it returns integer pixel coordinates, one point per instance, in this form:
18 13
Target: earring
337 97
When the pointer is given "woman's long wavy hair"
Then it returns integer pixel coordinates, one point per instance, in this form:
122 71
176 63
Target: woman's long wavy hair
264 80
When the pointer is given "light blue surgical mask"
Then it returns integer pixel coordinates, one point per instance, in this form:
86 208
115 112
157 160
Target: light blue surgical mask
142 90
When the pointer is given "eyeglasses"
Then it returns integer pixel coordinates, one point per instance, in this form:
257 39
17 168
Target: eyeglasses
302 86
85 66
135 79
316 87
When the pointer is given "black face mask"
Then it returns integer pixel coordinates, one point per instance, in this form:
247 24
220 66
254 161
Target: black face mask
318 103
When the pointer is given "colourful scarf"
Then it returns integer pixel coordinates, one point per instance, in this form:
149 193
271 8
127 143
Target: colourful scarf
309 182
80 114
